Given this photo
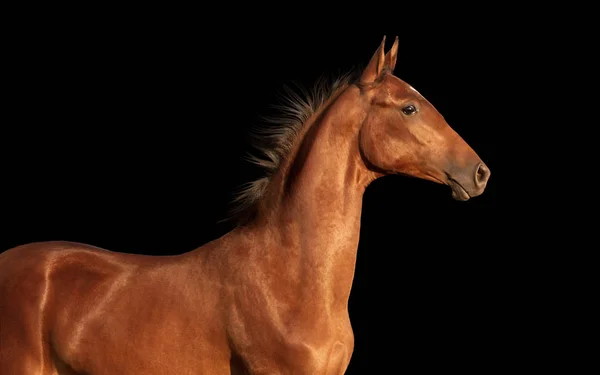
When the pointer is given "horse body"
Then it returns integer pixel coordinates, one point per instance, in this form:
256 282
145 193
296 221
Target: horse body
215 310
269 297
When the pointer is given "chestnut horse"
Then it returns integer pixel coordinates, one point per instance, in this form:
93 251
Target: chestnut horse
270 296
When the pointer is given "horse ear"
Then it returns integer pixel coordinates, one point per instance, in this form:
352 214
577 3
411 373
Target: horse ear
390 57
373 71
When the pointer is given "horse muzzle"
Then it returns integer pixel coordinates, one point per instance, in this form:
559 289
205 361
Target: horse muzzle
469 185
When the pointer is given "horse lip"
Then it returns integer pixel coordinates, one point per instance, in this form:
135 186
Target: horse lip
458 191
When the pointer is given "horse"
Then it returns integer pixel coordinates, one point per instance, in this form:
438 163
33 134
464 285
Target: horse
271 295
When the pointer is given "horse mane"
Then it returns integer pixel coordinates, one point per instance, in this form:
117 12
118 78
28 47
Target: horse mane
276 137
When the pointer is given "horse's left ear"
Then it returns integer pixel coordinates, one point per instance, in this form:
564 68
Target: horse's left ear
390 57
374 70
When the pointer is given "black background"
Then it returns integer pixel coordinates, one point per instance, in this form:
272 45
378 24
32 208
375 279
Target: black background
127 130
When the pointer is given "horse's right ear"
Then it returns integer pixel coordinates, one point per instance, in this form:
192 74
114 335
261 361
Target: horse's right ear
391 56
374 70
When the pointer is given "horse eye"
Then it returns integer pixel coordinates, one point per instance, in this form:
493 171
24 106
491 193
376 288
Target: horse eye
409 110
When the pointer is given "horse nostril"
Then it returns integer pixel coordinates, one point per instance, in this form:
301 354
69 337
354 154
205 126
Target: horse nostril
482 174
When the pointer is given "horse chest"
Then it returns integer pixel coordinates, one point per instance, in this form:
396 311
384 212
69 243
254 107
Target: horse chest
271 335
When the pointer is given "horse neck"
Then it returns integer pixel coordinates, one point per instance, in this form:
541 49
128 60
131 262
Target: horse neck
313 206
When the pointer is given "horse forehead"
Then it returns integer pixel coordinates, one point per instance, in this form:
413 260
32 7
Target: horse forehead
399 88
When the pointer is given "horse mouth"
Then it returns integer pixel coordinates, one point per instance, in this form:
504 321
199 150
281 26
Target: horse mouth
458 192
